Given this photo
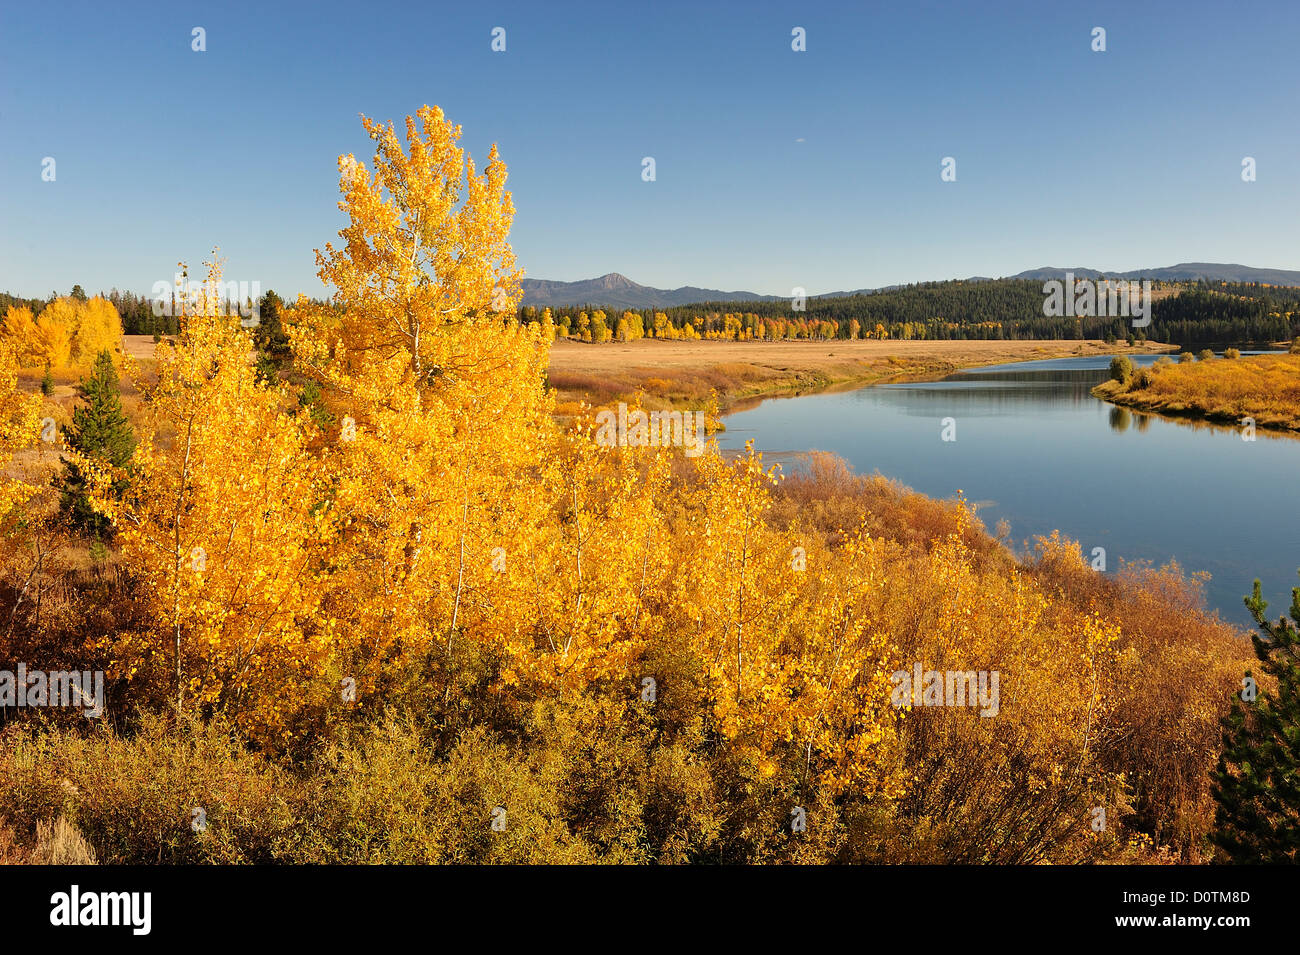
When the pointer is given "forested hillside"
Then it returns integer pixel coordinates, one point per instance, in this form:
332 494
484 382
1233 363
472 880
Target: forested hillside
1183 314
1219 314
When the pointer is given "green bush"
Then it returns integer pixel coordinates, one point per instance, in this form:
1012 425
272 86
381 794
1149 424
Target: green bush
1205 354
1121 369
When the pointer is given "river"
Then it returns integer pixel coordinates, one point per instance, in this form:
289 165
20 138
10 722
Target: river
1033 447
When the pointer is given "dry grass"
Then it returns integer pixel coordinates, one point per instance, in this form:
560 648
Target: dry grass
678 373
61 843
685 373
57 843
1263 387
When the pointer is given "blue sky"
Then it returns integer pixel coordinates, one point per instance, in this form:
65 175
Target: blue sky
774 168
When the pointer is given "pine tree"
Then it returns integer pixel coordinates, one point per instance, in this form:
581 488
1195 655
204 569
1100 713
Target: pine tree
269 336
1257 782
99 430
47 382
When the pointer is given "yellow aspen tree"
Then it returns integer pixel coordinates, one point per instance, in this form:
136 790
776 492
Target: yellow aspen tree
839 672
43 340
224 526
32 538
438 389
741 592
20 425
786 632
596 567
98 328
57 324
22 338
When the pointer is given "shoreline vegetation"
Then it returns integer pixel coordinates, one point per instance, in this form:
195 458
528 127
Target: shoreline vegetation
682 374
1218 390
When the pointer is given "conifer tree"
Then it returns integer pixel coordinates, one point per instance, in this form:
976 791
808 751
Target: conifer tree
269 336
1257 782
99 430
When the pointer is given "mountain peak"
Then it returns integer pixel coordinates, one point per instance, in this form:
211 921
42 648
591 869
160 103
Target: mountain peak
615 290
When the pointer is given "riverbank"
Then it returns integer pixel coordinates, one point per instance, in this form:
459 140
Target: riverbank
679 374
1265 388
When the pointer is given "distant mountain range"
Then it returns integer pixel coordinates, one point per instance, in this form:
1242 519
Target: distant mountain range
621 292
618 291
1183 272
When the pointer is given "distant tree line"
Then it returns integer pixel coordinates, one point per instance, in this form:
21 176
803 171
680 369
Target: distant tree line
138 318
1202 315
1199 314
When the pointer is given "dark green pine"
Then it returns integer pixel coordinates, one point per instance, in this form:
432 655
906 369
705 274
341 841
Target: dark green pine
1257 781
101 430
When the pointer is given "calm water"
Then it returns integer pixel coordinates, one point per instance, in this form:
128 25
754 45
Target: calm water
1035 448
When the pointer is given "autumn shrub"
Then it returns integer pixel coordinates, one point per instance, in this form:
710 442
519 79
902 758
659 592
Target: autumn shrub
1231 353
823 492
134 797
1121 368
1263 387
583 784
385 798
1182 664
1151 746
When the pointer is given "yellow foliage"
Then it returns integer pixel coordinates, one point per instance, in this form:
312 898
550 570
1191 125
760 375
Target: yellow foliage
1263 387
223 530
19 428
67 333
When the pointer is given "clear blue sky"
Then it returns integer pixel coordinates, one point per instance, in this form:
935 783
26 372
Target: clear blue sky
774 168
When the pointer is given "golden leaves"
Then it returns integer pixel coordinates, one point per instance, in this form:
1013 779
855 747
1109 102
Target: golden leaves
68 332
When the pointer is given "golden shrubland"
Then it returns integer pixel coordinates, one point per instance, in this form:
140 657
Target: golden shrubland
1263 387
439 625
